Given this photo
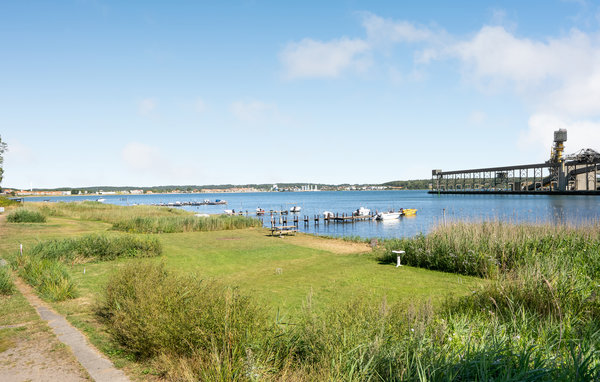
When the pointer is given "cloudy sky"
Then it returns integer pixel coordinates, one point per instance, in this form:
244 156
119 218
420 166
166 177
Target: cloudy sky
154 93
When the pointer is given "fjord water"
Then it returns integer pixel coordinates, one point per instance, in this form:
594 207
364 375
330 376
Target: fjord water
431 208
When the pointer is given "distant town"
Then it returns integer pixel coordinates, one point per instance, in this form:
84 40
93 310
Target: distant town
282 187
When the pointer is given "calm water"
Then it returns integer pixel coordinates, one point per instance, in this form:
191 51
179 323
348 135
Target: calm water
513 208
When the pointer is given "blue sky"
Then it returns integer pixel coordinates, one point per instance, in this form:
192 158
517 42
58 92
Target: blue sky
155 93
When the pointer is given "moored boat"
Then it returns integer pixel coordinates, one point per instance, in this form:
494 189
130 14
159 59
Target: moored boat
387 215
409 212
362 211
295 209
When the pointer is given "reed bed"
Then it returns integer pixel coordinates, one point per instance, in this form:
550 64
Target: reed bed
50 278
170 224
22 215
97 247
109 213
146 219
486 249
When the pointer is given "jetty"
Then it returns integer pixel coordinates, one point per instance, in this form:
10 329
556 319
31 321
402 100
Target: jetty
574 174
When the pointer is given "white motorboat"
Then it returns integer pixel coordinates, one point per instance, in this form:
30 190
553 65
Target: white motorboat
101 200
328 214
260 211
362 211
229 212
295 209
387 215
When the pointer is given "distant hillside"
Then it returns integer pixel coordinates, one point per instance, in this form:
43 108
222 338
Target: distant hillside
418 184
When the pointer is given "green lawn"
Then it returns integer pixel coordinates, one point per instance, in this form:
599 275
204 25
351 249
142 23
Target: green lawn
283 273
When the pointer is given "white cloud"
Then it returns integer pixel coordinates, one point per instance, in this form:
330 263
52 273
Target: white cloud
580 133
388 31
311 58
147 106
252 111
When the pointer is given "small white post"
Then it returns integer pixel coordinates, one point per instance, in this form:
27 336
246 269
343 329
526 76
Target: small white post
399 253
21 249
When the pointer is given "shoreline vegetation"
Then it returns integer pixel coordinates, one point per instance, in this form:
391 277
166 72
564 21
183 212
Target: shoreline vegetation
473 301
419 184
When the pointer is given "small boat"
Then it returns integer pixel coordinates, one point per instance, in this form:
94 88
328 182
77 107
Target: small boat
229 212
362 211
409 212
387 215
328 214
101 200
260 211
295 209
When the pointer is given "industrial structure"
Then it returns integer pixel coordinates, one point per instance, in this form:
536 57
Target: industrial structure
571 174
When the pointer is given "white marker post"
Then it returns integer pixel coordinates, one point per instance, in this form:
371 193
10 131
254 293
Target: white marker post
398 253
21 249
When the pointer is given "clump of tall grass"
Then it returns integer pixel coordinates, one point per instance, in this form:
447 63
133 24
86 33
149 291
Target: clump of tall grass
109 213
154 313
99 247
50 278
171 224
22 215
6 202
489 248
7 287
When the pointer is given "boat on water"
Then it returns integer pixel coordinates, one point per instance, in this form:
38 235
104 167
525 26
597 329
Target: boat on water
295 209
387 215
101 200
260 211
362 211
328 214
409 212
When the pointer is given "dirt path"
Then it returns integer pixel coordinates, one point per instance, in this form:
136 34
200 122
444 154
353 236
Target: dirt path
98 366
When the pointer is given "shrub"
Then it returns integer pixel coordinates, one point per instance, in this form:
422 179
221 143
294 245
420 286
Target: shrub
6 202
22 215
7 287
98 247
153 312
49 278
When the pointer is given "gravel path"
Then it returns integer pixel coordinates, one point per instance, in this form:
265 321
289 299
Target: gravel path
99 367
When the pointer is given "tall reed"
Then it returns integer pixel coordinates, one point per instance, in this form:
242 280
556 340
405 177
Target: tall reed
22 215
165 224
100 247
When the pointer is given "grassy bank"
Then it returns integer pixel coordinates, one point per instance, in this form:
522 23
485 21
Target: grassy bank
515 302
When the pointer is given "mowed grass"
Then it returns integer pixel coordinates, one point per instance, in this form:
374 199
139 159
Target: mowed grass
281 272
284 274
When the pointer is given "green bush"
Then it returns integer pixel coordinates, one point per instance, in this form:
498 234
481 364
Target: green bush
22 215
6 202
49 278
152 312
7 287
98 247
171 224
